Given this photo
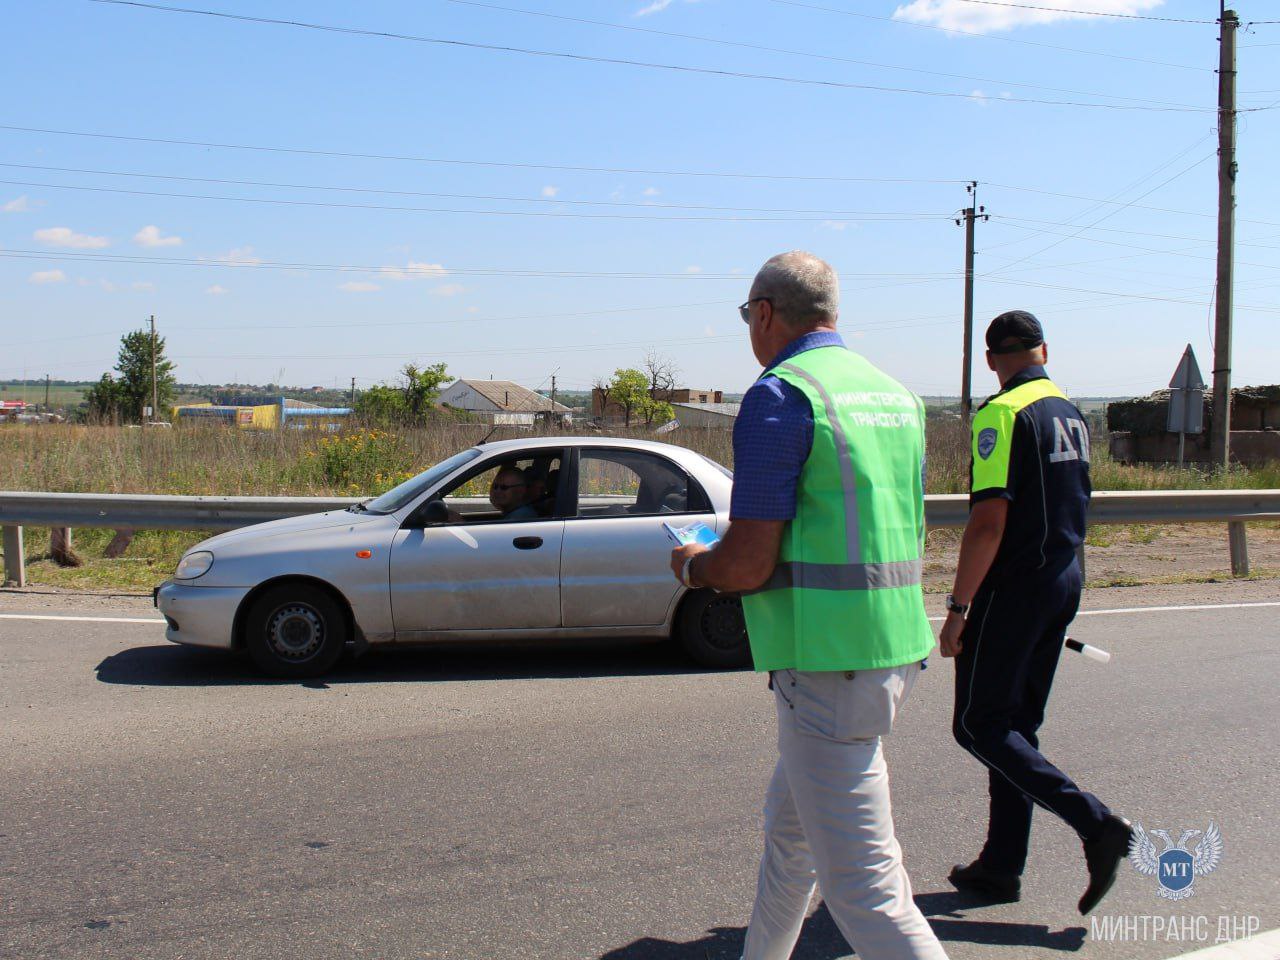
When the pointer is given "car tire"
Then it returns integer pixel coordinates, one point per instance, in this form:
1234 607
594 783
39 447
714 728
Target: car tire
295 631
713 631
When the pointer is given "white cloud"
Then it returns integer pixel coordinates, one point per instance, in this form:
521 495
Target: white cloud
47 276
83 282
146 285
241 255
694 268
66 237
150 236
448 289
982 18
358 286
978 97
837 225
650 192
708 331
108 286
413 271
550 191
473 309
217 290
22 204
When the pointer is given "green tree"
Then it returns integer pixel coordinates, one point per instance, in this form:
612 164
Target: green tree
409 402
629 389
103 401
122 398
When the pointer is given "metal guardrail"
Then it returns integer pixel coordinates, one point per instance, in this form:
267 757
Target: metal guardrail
134 512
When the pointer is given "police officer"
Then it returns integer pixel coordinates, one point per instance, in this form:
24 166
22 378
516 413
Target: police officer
826 538
1016 589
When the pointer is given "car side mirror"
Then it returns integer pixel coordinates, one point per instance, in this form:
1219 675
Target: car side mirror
431 513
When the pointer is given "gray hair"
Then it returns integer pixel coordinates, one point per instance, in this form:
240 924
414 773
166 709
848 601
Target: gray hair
804 289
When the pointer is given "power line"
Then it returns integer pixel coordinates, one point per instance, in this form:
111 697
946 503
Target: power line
620 61
451 196
396 272
869 218
797 53
1085 13
988 36
477 163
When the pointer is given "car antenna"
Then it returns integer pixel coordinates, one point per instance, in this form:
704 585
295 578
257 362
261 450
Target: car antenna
487 436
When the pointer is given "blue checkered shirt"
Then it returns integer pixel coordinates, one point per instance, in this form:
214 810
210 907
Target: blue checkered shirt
772 439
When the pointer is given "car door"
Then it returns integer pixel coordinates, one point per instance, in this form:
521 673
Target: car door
477 571
615 570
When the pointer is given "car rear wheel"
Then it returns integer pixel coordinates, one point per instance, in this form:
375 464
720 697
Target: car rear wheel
713 630
295 630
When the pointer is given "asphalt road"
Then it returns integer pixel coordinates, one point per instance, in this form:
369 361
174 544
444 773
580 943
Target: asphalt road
577 802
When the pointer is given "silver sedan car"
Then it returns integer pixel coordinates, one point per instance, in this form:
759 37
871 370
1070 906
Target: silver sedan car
543 538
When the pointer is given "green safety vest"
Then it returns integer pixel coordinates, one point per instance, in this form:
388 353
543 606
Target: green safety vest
846 592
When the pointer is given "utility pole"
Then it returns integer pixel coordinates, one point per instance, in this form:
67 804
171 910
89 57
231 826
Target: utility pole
1220 440
969 216
553 393
46 393
353 393
155 387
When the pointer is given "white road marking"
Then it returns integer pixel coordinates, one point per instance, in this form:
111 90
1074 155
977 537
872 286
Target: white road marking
35 616
1082 613
1261 946
1193 606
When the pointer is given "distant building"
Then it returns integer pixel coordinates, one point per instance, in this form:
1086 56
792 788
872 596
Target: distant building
706 415
284 414
683 395
503 402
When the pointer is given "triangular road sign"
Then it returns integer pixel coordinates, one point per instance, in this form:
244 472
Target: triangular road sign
1187 376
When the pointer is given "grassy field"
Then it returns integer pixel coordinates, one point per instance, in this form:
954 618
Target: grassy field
217 461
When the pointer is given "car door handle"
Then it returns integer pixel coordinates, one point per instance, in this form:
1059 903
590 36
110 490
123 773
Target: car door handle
527 543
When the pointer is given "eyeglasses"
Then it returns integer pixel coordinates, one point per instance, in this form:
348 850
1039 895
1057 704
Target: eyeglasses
507 486
744 311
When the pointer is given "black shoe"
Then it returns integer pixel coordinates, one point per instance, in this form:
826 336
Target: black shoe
1103 855
990 886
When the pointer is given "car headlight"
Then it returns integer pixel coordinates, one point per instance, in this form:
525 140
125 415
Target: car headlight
194 565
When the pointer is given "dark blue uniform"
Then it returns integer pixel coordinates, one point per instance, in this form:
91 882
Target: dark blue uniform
1030 447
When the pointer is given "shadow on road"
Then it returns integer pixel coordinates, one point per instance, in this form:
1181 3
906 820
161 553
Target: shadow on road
178 666
821 938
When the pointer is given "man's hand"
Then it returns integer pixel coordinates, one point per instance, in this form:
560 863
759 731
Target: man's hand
680 554
949 640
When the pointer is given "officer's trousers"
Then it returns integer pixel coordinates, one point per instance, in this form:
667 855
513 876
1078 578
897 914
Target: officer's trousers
1009 653
828 820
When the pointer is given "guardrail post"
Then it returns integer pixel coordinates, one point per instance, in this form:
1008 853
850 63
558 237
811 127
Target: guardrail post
15 572
1239 541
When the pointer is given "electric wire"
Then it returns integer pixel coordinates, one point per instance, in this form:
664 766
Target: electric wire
799 53
1086 13
988 36
621 61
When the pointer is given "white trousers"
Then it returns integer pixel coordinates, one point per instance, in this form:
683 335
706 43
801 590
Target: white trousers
828 820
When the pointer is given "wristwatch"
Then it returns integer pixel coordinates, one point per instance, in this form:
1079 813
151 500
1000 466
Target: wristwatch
955 606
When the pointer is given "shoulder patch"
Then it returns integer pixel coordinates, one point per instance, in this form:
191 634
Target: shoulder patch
987 442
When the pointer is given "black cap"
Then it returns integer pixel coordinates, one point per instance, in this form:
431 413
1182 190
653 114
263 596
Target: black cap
1015 324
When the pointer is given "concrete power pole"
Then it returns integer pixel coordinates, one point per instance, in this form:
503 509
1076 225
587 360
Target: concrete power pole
353 393
970 215
155 387
1220 439
46 393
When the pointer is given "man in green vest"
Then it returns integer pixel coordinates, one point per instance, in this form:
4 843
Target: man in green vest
825 544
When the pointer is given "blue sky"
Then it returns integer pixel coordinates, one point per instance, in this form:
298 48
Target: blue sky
512 264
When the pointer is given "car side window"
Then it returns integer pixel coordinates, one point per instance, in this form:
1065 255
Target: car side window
510 490
634 484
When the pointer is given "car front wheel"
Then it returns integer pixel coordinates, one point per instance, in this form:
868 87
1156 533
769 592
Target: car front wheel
713 630
295 630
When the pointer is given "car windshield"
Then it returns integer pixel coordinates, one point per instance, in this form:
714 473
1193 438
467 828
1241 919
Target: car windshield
397 497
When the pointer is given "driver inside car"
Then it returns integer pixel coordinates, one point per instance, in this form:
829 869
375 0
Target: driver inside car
509 494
